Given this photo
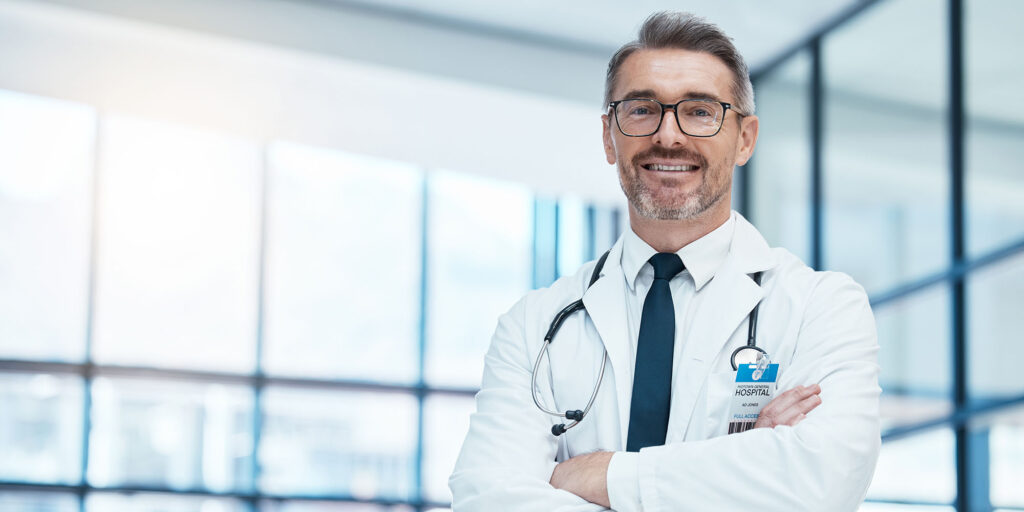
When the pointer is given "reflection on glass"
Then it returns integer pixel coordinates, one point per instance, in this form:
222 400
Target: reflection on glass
160 502
994 128
1006 458
178 247
342 266
780 177
344 443
22 501
916 468
479 265
994 304
445 423
180 435
40 428
572 235
886 181
914 355
328 506
46 157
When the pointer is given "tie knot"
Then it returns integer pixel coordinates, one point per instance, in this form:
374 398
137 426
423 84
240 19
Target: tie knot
666 265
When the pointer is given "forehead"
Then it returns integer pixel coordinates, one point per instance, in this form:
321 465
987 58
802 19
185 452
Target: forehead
674 74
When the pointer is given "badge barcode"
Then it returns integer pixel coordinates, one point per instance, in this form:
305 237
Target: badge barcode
736 427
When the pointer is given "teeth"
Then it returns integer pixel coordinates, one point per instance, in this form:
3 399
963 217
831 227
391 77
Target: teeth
656 167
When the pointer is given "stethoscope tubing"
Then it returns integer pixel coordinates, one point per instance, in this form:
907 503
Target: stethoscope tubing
577 415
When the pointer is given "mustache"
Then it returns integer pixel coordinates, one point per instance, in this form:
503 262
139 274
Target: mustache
672 154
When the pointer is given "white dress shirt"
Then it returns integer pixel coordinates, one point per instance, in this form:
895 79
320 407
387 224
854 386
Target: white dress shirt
702 257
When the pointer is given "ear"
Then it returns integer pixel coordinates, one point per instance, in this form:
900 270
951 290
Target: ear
609 148
747 140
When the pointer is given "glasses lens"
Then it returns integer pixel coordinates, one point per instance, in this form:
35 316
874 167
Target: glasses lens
638 117
699 117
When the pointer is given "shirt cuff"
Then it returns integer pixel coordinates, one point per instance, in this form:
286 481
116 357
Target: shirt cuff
624 481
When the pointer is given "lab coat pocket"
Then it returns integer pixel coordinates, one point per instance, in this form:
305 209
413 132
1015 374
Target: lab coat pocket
719 395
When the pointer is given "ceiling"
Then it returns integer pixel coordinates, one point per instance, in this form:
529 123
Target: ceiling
762 30
553 49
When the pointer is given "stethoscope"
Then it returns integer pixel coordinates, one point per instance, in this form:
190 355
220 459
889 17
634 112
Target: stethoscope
747 354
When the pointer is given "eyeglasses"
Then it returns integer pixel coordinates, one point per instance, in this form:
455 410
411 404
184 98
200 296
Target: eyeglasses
696 118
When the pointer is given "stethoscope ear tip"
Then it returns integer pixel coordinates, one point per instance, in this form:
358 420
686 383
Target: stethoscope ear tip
558 430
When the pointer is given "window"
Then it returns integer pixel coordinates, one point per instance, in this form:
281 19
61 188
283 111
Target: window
342 291
885 182
178 248
46 161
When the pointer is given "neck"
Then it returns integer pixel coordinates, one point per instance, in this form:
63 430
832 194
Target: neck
672 235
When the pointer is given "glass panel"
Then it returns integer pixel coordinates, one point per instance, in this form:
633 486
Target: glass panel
328 506
994 304
780 176
606 226
886 169
160 502
1006 459
445 423
345 443
914 355
170 434
573 235
41 428
46 159
994 124
342 294
472 279
916 468
178 250
21 501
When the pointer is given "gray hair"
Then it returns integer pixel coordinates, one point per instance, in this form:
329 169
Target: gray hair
668 29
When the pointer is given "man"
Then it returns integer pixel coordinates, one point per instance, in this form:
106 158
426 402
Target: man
670 305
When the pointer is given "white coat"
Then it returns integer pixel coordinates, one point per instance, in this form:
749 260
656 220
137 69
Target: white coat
817 325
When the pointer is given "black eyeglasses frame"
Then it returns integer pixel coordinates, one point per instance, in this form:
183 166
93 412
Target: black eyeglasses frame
726 107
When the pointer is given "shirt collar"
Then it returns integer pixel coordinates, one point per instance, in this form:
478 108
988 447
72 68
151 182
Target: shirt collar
702 257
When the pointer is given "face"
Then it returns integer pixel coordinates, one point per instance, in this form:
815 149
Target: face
671 175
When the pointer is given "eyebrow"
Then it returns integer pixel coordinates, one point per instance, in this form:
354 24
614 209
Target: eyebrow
648 93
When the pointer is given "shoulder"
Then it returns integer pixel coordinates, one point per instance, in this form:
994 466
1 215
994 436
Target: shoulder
560 293
793 276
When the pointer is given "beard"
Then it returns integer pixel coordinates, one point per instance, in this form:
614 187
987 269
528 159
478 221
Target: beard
669 204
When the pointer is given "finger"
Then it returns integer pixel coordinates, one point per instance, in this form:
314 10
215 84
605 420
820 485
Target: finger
789 399
791 415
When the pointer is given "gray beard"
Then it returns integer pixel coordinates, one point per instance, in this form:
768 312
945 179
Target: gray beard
642 199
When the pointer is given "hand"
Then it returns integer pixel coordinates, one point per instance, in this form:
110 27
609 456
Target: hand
585 476
790 407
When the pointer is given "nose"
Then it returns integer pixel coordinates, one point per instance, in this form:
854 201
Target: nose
669 134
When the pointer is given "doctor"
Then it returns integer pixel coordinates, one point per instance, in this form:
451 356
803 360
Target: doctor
670 306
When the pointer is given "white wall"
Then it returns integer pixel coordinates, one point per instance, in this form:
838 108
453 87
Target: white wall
265 91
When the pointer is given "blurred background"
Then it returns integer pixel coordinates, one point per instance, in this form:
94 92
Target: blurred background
252 251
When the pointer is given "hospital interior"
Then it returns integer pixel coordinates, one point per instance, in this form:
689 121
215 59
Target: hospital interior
252 252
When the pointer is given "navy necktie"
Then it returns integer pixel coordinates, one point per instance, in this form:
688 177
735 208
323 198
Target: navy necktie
652 378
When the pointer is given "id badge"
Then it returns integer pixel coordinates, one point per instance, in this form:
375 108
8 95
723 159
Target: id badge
755 386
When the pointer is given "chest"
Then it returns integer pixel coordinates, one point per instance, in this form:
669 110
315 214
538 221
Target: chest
702 380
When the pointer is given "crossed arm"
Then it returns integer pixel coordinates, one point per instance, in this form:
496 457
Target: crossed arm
586 475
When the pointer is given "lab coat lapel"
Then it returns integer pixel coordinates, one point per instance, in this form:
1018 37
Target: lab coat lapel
722 306
606 307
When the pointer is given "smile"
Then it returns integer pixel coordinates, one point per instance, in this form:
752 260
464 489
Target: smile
670 168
